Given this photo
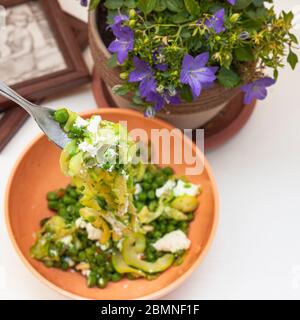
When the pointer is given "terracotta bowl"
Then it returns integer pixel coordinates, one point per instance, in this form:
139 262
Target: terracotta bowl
37 172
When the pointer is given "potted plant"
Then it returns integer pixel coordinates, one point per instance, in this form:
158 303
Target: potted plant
188 57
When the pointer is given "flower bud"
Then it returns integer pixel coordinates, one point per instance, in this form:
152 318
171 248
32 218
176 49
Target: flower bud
124 75
234 18
132 13
132 23
244 35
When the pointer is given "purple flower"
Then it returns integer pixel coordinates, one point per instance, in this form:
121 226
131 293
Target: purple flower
124 42
159 60
143 73
162 66
159 100
84 3
232 2
257 89
216 22
195 74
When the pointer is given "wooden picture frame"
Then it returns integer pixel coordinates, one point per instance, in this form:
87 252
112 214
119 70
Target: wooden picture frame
74 74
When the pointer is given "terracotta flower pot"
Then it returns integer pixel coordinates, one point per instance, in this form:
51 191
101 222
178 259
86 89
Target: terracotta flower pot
186 115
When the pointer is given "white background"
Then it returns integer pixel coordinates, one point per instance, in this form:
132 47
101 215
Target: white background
256 252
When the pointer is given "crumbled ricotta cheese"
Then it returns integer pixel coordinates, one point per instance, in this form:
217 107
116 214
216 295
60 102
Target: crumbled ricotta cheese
103 247
80 223
138 189
120 244
173 242
70 262
86 273
186 188
53 253
80 122
66 240
93 233
168 186
94 125
91 149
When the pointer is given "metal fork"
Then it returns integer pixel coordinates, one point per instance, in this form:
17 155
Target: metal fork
43 116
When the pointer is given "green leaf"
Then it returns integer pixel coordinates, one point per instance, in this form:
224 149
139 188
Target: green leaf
292 59
242 4
94 4
131 4
186 94
160 6
258 3
293 38
181 17
113 4
112 62
147 6
244 54
192 7
120 90
228 78
175 5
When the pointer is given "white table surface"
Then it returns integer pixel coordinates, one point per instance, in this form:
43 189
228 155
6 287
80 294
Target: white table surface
256 251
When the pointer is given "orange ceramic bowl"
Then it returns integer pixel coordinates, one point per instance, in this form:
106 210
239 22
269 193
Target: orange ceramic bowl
37 172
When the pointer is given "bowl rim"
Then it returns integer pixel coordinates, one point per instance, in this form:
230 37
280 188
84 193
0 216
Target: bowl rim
155 295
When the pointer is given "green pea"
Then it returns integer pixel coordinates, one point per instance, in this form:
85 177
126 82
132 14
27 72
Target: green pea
146 186
151 258
73 193
116 277
61 116
64 265
92 280
157 234
139 206
68 200
151 195
142 196
109 267
89 252
148 177
72 250
100 259
160 181
53 205
77 131
48 263
153 205
184 226
63 212
154 186
102 282
82 256
190 216
168 171
101 271
170 228
52 196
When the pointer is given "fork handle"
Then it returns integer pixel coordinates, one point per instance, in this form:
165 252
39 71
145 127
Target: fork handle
12 95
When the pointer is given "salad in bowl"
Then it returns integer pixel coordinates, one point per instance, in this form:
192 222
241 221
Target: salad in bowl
120 216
